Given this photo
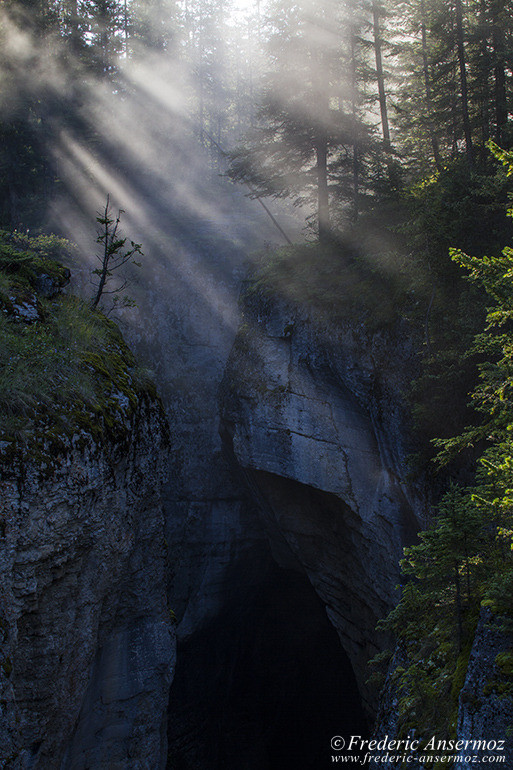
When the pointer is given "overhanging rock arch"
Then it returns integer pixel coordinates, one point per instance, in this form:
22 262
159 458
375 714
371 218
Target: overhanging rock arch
314 418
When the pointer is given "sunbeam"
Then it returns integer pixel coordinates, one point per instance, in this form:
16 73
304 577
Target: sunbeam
241 368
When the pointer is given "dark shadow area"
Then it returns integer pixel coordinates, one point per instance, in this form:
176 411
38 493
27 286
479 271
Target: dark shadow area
265 686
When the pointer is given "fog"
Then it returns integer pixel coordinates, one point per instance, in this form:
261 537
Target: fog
152 122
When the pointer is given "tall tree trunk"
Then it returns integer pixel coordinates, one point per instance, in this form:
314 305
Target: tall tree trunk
376 14
455 116
484 66
238 99
354 110
427 86
73 21
104 45
250 71
321 85
125 28
321 152
321 156
201 115
460 45
459 613
467 568
259 27
499 69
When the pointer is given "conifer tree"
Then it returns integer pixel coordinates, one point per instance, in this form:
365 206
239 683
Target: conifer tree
311 141
465 556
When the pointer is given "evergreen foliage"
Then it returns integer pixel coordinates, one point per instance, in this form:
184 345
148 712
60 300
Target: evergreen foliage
465 557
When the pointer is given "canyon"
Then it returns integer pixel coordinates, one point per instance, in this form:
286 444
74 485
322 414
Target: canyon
204 595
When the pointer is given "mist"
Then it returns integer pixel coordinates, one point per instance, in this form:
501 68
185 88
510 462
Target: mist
151 122
220 508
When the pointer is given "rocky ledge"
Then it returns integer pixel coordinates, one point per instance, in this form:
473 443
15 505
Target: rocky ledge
86 636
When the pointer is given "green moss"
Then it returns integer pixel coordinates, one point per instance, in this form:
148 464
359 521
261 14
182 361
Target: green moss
68 373
497 687
23 259
502 685
505 662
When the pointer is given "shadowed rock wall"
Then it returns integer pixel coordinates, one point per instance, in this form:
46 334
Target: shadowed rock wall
313 416
87 644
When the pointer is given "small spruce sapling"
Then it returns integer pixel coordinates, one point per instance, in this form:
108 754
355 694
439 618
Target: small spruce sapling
114 255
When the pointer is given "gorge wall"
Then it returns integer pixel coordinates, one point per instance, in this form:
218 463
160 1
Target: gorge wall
313 416
290 576
288 474
264 531
86 638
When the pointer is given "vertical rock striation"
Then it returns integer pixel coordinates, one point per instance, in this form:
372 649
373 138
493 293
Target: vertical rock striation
86 638
314 417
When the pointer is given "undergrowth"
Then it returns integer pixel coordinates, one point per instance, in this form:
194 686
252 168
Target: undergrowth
337 280
68 370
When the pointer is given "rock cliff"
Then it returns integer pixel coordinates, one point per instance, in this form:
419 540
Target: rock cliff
482 729
286 506
306 489
314 417
86 638
485 708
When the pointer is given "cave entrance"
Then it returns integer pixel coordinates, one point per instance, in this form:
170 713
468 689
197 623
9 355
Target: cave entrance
265 686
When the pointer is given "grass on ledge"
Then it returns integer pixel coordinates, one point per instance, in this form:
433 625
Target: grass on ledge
71 369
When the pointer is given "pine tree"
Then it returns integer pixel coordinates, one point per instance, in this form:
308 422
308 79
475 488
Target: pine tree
465 556
311 141
377 15
105 24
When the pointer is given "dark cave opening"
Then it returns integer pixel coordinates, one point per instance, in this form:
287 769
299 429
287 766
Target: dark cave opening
266 685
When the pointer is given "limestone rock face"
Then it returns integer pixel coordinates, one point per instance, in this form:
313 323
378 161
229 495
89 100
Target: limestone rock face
485 705
314 416
87 643
485 711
